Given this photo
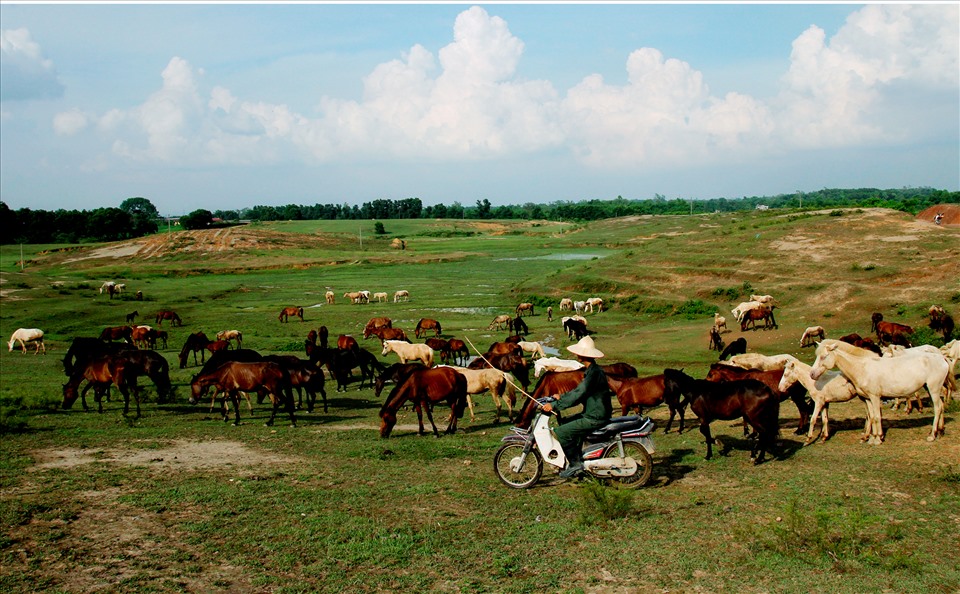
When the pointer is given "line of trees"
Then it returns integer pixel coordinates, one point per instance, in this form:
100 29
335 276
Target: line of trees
137 216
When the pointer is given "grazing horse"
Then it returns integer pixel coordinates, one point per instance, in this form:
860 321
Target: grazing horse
229 335
534 348
376 324
424 388
566 304
409 351
863 343
575 328
459 351
286 312
151 364
166 314
401 295
132 316
524 307
499 322
760 314
736 347
232 377
144 337
380 297
330 297
890 377
100 372
710 401
441 346
520 327
25 336
721 372
84 348
304 376
594 302
215 346
346 360
390 334
124 333
197 341
354 296
427 324
503 348
811 334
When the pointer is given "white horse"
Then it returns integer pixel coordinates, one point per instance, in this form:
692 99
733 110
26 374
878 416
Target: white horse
402 294
380 297
893 377
409 351
28 335
812 334
554 364
832 386
229 335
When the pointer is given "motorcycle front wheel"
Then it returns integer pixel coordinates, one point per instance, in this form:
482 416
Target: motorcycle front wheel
506 460
644 461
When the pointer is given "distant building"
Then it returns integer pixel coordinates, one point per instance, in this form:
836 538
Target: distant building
762 207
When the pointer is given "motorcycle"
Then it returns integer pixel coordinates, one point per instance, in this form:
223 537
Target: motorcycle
619 452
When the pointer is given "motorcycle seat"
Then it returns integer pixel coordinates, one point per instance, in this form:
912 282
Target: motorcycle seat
618 425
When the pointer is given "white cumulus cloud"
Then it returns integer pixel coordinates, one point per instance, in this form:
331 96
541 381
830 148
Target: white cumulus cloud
71 122
25 72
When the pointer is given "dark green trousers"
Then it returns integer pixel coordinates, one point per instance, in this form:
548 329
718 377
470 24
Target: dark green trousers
571 433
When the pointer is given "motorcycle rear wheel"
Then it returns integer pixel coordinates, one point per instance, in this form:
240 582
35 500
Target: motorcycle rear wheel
644 461
530 473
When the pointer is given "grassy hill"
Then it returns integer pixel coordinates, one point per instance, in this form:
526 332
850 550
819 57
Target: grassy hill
178 501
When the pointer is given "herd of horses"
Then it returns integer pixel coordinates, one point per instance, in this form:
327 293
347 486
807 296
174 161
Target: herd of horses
748 385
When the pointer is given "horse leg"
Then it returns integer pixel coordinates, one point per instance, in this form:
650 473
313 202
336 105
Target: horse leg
417 407
429 408
934 391
817 407
470 405
876 421
705 430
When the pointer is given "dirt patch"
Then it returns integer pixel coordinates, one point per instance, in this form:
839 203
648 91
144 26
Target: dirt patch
951 214
181 455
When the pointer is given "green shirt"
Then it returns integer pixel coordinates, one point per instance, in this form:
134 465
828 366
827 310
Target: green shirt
593 392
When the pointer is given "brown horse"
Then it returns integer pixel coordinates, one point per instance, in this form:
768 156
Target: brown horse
759 314
504 348
165 314
893 333
196 342
427 324
151 364
100 373
124 333
286 312
231 378
215 346
389 334
441 346
710 401
458 351
424 388
396 373
645 392
345 342
720 372
144 337
304 377
374 324
84 348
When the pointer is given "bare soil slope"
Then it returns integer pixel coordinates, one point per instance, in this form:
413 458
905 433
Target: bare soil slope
951 214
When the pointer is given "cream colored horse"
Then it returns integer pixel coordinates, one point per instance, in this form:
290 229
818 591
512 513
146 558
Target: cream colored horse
832 386
894 377
484 380
409 351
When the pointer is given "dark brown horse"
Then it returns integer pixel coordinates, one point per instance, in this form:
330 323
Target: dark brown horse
710 401
286 312
441 346
893 333
231 378
459 351
424 388
124 333
864 343
721 372
151 364
345 342
344 361
100 372
635 393
396 373
427 324
196 342
504 348
304 377
215 346
166 314
84 348
509 363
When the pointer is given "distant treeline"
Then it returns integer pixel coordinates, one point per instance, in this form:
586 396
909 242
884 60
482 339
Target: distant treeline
131 220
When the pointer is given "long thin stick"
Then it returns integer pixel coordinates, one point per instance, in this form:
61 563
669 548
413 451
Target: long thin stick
479 354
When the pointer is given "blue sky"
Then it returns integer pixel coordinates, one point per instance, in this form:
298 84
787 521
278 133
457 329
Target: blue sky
228 106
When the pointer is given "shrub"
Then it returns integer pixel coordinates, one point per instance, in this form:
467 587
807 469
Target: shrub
599 503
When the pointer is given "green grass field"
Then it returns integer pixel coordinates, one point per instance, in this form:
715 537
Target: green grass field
178 501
